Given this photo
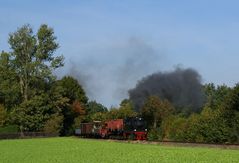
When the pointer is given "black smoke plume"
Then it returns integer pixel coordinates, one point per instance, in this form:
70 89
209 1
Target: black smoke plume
182 87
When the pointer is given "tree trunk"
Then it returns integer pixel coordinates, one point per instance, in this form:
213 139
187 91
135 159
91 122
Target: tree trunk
26 91
21 131
21 86
155 122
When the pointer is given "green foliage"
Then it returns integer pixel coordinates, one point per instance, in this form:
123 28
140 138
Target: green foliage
31 114
9 129
73 100
232 101
174 128
3 115
77 122
154 134
216 95
28 88
72 90
10 94
94 107
155 110
32 56
54 125
99 116
234 130
208 127
125 110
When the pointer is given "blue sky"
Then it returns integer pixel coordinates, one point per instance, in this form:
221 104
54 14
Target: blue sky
102 40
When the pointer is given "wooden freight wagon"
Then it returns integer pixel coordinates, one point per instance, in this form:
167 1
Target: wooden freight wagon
91 129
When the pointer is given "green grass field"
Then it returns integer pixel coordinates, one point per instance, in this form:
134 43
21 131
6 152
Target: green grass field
68 150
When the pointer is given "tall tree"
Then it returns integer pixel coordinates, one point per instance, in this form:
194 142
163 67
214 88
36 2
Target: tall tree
32 56
77 100
155 110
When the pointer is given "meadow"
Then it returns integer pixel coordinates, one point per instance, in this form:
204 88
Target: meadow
70 150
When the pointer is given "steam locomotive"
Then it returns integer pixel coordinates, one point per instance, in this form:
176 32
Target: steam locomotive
133 128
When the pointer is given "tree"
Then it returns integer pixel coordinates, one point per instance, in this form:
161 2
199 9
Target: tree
155 110
94 107
32 56
3 115
95 111
32 114
9 89
215 95
126 109
76 105
232 101
99 116
72 90
230 113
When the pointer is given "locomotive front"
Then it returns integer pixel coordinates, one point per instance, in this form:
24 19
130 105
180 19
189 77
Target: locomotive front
135 128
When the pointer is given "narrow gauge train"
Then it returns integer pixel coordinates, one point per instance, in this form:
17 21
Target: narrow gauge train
129 128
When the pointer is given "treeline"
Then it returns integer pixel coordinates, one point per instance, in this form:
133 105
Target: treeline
217 122
32 99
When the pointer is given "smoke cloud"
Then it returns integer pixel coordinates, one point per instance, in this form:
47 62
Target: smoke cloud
182 87
109 71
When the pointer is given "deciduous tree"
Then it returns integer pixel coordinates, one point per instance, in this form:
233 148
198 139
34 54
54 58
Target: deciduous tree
32 56
155 110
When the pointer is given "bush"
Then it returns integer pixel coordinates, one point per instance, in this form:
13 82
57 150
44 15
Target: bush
154 134
174 128
208 127
9 129
54 125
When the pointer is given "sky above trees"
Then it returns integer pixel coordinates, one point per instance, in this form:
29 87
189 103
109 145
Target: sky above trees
109 45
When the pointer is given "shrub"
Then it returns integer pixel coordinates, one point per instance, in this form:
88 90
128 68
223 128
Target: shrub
174 128
54 124
154 134
9 129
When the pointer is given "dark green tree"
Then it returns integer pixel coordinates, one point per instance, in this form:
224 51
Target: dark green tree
73 90
230 112
76 105
10 95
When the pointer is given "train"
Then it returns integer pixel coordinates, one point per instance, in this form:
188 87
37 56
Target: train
133 128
